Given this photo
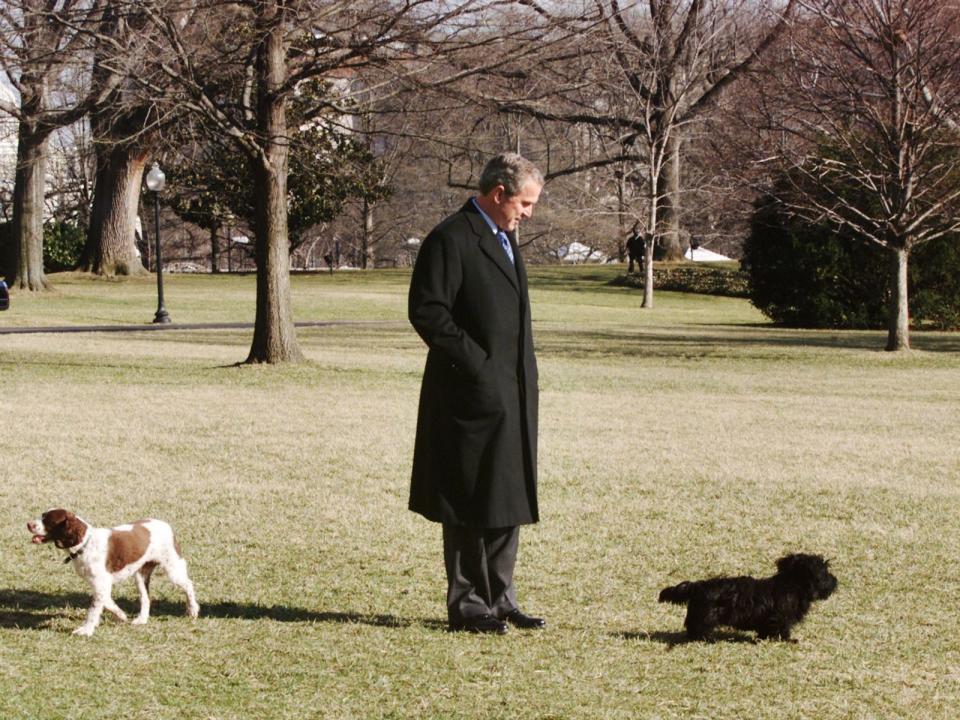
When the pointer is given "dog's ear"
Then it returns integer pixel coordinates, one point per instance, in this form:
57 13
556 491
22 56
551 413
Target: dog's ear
74 530
799 565
63 527
54 522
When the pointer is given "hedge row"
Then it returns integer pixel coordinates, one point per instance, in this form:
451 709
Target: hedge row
804 274
703 279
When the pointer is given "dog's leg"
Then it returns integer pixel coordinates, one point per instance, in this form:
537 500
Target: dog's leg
696 631
102 588
774 633
142 577
698 621
176 570
93 618
110 605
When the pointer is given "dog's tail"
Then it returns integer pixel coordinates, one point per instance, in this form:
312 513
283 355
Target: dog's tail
678 594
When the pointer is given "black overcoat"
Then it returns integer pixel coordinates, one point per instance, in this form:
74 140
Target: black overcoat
475 455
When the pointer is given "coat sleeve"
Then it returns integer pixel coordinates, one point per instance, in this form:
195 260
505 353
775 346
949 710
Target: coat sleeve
434 287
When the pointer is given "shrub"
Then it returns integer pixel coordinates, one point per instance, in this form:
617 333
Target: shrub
805 274
935 278
703 279
62 244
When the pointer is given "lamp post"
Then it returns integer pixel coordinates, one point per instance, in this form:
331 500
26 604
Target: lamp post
155 182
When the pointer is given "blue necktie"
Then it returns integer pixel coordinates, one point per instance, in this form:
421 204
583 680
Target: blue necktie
505 243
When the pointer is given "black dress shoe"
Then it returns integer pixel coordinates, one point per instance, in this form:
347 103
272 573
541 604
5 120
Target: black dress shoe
480 624
525 622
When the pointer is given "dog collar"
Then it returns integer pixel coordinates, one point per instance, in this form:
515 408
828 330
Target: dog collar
79 552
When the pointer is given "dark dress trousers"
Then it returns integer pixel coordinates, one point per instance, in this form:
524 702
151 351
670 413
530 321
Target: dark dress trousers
474 461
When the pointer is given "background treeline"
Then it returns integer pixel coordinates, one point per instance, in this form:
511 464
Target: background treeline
316 133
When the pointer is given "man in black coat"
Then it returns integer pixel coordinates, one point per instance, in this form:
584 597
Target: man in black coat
475 456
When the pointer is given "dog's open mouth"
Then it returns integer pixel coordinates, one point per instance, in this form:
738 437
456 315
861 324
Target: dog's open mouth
37 539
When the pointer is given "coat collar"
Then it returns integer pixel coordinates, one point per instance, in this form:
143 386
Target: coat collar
491 246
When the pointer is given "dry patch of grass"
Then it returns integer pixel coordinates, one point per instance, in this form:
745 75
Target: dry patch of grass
675 444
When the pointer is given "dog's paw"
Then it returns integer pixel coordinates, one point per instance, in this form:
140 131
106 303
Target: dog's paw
84 631
139 620
193 610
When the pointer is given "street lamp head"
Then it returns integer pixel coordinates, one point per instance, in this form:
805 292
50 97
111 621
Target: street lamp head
156 179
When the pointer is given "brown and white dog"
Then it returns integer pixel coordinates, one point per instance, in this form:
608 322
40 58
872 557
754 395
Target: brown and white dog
104 556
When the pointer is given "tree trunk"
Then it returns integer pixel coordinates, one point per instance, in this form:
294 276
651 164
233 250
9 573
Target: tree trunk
274 335
650 240
899 333
669 246
28 192
621 215
214 248
648 272
367 255
111 247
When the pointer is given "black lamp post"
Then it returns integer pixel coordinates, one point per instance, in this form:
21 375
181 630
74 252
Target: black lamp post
155 182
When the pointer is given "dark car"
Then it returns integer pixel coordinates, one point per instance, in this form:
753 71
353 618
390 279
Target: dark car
4 296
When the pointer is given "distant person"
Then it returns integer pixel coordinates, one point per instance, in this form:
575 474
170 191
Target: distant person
635 249
475 455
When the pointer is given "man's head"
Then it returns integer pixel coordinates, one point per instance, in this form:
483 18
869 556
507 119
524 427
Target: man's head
510 186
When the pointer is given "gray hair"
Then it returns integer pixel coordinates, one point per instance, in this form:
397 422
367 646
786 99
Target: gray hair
511 170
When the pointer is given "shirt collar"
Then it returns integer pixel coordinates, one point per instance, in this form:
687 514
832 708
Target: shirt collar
493 226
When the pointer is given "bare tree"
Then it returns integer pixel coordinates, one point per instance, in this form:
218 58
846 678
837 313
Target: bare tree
273 47
864 114
124 128
122 151
47 55
644 75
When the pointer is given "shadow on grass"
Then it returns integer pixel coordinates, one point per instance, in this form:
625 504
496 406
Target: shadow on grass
714 340
283 613
26 609
672 639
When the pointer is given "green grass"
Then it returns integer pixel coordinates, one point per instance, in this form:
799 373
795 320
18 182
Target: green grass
675 443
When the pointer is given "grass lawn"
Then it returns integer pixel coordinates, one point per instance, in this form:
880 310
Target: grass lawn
676 443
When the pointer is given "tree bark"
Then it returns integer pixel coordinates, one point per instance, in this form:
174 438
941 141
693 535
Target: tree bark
111 247
650 239
214 248
274 335
621 215
669 246
648 272
898 337
28 193
367 255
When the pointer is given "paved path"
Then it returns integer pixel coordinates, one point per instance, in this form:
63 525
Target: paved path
177 326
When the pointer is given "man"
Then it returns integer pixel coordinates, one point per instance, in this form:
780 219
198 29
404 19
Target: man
475 456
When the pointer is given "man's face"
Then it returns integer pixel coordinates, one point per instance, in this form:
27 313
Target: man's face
508 211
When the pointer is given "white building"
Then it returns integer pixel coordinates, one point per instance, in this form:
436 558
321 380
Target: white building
701 254
8 139
62 153
577 252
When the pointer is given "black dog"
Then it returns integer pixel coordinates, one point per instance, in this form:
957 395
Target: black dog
768 606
